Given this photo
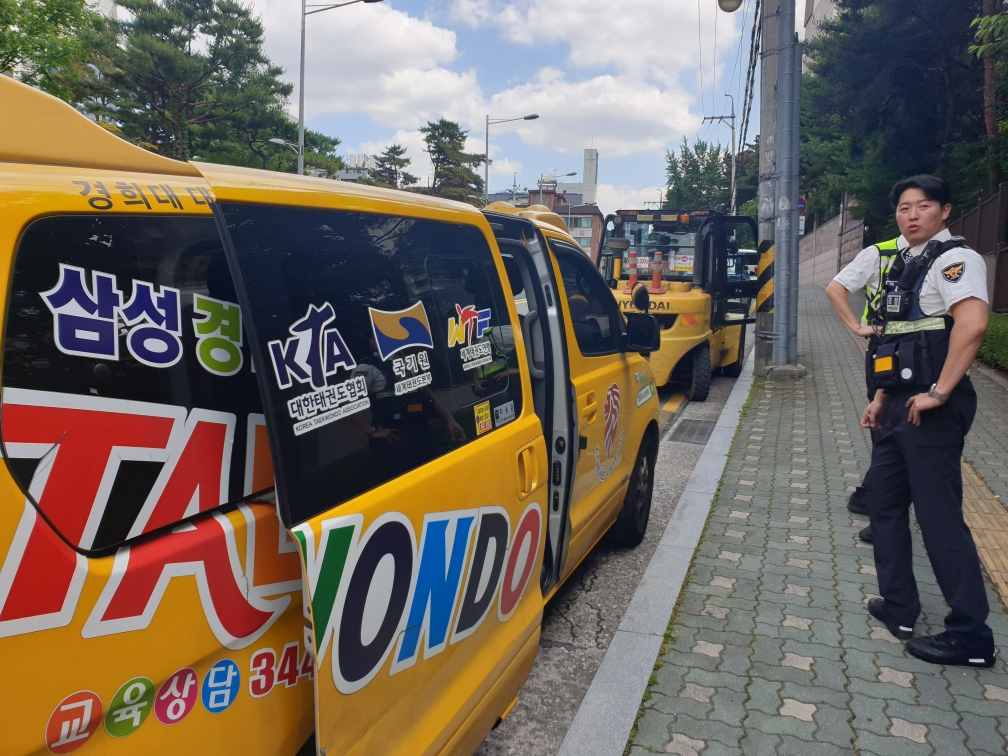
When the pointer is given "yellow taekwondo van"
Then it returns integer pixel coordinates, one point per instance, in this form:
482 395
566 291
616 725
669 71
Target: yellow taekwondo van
289 465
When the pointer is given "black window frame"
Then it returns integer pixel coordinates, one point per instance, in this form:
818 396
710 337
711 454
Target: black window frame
561 249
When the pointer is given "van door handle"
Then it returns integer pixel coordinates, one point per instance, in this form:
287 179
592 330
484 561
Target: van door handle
590 411
528 471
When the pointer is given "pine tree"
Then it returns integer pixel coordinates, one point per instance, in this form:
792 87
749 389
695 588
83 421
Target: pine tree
455 176
699 178
391 168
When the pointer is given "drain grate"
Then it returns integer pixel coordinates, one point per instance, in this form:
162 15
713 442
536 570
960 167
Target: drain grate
692 431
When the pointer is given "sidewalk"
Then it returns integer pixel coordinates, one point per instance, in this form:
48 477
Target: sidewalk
772 650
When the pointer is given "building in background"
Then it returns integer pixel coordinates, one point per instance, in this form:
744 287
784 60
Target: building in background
817 12
588 188
357 167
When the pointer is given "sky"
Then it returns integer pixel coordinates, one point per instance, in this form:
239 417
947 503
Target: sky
622 76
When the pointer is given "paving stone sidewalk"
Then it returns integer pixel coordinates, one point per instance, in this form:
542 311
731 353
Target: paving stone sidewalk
772 650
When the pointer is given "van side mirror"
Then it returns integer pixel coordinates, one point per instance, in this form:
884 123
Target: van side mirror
643 334
640 297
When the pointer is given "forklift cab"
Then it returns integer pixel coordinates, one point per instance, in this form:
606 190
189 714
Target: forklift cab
725 251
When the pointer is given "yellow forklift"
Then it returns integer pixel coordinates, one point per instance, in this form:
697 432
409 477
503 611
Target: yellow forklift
700 268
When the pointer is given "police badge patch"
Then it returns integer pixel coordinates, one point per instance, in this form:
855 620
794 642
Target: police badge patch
952 273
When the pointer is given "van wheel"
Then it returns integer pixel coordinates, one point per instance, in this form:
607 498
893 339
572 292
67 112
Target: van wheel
631 524
700 378
735 369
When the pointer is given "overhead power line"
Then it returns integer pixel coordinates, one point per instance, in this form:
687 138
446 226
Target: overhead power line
747 100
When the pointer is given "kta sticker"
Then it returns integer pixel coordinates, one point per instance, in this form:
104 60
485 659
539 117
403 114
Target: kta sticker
220 686
952 273
73 722
483 421
130 707
176 697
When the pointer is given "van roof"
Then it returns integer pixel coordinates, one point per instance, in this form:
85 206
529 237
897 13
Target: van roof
37 128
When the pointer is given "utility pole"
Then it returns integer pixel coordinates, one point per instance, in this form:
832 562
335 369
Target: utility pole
777 302
731 120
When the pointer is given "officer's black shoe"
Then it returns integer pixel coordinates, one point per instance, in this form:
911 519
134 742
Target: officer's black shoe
876 608
944 649
866 535
858 501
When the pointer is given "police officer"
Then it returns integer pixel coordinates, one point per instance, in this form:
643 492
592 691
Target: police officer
865 272
935 317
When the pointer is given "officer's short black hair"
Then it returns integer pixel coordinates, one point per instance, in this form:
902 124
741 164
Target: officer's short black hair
933 187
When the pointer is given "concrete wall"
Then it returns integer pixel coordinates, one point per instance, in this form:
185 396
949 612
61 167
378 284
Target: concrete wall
823 252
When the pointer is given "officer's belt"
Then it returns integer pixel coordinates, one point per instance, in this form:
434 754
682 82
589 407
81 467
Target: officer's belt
912 326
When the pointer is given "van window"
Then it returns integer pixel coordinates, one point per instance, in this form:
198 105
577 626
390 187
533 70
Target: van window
594 315
387 340
129 401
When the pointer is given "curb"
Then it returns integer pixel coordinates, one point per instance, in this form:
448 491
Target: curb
608 710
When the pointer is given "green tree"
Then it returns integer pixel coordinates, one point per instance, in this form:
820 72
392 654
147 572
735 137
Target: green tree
191 72
40 38
893 92
455 176
699 178
391 168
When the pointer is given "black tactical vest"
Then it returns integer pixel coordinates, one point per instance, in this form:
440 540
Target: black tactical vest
913 345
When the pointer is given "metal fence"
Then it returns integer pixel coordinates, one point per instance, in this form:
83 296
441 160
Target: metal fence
986 230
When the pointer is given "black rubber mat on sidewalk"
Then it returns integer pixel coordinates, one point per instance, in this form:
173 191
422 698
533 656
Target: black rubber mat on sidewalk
692 431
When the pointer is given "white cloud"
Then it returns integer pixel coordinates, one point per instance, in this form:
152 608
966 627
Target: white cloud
371 59
620 117
612 198
652 40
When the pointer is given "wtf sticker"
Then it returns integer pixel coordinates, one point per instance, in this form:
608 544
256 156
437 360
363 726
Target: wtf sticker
130 707
73 722
176 697
220 686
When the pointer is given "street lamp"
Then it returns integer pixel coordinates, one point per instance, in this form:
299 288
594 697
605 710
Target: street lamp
729 6
486 156
551 180
284 142
317 8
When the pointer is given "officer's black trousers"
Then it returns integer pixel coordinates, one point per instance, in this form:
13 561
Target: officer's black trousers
922 465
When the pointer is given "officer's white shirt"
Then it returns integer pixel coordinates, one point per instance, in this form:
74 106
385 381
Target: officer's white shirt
863 271
956 275
944 284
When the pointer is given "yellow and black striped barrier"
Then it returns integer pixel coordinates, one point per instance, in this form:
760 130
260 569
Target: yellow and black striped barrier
765 277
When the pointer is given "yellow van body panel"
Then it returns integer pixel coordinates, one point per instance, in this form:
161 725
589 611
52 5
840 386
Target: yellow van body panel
75 661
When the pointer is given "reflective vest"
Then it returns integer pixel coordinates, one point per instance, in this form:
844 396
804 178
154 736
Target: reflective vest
888 252
914 346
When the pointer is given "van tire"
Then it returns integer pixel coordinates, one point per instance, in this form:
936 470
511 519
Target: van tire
700 378
735 369
632 521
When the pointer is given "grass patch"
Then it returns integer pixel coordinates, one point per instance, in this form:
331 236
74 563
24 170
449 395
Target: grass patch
994 349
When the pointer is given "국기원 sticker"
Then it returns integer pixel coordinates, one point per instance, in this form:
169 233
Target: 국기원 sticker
176 697
483 421
74 720
400 329
504 413
220 686
467 330
397 330
130 707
